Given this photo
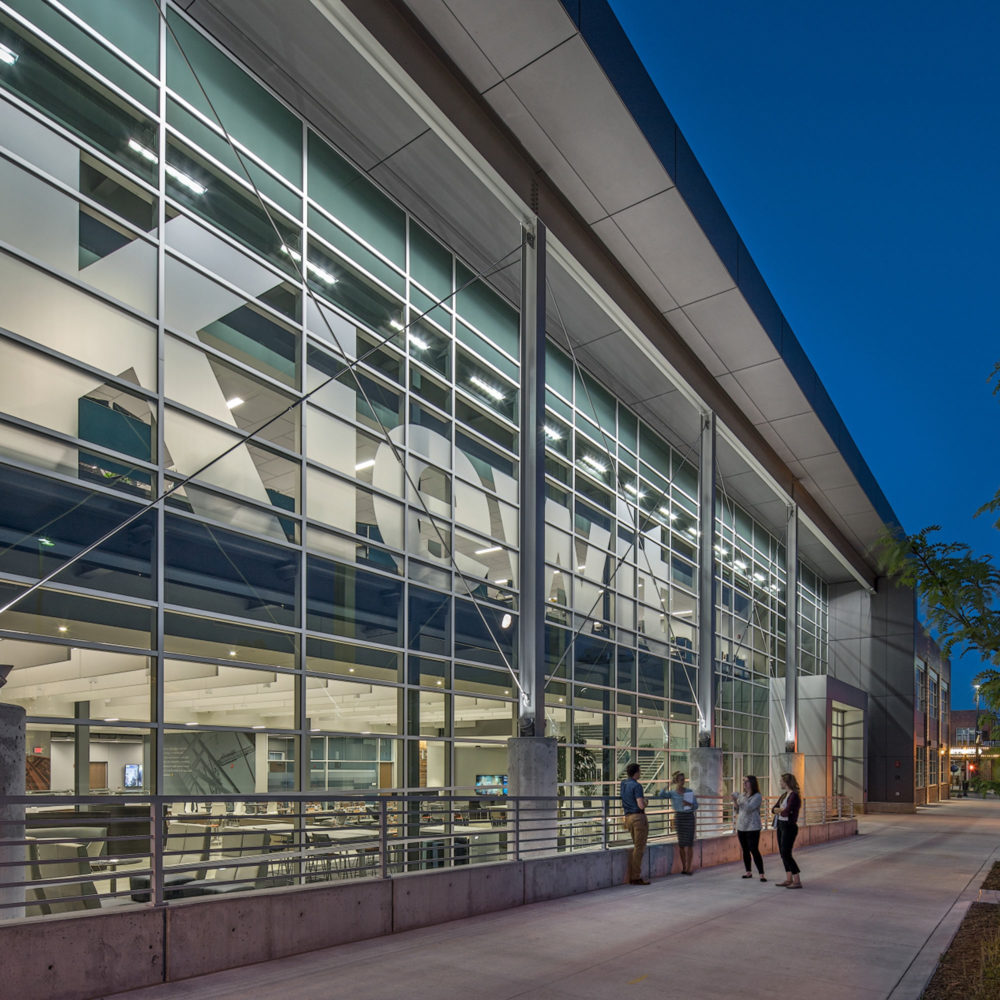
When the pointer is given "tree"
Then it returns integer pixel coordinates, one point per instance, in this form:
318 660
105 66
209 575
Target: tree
958 588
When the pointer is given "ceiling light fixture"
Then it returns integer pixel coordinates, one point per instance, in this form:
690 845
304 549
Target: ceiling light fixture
594 463
491 391
366 464
8 55
231 404
552 433
491 549
505 622
396 325
418 342
183 179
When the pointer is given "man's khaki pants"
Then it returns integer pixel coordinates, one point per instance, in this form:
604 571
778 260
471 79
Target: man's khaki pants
638 826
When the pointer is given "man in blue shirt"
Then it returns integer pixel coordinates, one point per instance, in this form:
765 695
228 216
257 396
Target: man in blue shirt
634 805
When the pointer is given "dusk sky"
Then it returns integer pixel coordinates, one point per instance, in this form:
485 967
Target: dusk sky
855 147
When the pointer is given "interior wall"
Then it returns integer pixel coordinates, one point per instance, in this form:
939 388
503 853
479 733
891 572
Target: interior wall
470 761
116 754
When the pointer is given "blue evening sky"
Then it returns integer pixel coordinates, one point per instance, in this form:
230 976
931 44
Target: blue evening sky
855 146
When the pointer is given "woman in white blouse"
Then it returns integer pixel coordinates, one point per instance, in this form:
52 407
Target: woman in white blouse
748 825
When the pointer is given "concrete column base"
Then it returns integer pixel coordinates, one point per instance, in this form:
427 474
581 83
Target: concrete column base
790 763
12 764
705 780
531 763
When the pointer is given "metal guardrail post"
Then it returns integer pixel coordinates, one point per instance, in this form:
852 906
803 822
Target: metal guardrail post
604 822
157 838
383 835
517 829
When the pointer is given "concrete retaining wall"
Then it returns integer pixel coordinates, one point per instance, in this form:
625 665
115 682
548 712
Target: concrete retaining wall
86 955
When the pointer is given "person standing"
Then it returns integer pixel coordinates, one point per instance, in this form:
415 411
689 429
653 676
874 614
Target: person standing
634 805
748 825
685 804
787 811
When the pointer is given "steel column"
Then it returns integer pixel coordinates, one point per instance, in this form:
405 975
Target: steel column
791 628
531 564
706 583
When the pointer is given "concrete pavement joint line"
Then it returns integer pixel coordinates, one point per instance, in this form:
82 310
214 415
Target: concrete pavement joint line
958 908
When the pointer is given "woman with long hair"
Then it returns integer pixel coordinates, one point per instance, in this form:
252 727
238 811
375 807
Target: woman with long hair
787 812
748 825
684 803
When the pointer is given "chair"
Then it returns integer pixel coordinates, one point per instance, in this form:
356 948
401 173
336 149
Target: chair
236 877
185 859
51 862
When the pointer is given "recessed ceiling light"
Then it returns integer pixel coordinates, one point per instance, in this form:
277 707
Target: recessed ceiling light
63 628
552 433
366 464
231 404
505 622
418 342
491 549
396 325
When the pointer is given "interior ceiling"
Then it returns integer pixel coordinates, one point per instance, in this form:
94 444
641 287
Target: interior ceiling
555 97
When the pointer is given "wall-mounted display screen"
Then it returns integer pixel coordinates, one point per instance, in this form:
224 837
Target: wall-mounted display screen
491 784
133 775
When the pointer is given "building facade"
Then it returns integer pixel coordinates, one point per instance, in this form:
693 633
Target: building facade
359 406
974 747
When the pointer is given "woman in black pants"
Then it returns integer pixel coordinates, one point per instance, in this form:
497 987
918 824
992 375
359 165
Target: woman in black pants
748 825
787 811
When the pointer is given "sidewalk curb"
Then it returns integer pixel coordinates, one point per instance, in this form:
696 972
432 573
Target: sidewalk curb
914 981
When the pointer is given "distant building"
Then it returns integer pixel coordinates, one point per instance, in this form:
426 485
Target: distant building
974 744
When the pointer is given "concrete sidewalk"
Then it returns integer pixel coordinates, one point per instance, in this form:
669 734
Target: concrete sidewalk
876 912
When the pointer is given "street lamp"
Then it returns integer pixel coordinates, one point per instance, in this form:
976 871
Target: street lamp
979 732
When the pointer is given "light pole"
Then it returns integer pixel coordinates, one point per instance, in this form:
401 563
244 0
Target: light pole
979 732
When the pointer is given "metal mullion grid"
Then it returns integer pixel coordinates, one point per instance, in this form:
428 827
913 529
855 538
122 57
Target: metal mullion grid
339 255
63 188
78 141
79 63
257 257
243 150
158 713
370 247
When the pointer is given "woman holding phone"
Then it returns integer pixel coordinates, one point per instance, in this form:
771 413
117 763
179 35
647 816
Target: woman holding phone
787 825
748 825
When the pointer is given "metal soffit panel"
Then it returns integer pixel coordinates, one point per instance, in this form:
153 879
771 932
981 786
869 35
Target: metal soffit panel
293 47
552 93
497 30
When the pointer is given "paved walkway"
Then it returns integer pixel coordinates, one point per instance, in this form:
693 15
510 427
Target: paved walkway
876 912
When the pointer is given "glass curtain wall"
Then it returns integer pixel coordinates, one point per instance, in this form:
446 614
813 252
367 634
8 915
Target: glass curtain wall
236 319
621 524
750 636
304 606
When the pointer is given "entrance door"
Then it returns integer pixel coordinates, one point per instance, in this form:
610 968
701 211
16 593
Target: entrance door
838 749
98 774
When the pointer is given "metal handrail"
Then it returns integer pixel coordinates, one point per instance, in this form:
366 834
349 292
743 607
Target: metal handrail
256 841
